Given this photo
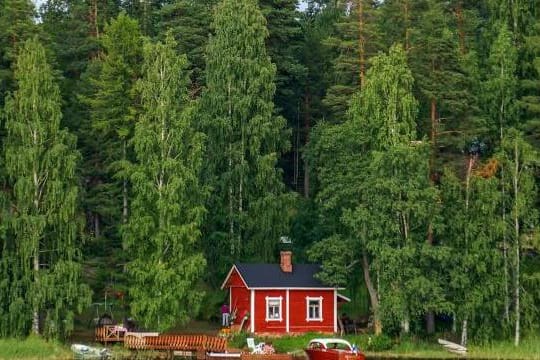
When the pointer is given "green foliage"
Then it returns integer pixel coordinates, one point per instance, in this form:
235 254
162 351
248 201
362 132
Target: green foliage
245 139
190 22
355 40
16 25
472 232
379 343
167 209
284 28
41 162
107 134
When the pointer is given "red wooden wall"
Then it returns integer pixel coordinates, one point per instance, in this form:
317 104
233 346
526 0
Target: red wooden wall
240 299
239 296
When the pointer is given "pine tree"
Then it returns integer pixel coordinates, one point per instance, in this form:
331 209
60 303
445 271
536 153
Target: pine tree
41 163
245 139
146 14
398 19
167 209
447 96
355 41
74 39
190 22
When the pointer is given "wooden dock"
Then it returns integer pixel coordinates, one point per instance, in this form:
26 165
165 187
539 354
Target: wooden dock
198 345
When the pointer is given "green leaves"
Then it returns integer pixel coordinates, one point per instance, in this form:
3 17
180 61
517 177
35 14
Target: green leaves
167 211
41 160
245 139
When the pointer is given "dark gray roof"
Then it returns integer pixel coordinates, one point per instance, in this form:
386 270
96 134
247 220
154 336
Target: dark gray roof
270 275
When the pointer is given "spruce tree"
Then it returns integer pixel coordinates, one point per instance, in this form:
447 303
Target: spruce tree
16 25
41 163
107 142
167 212
284 45
245 139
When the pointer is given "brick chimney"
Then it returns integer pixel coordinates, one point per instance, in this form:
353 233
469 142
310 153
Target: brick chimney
286 261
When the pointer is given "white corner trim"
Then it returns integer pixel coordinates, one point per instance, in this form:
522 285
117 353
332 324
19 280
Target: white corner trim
280 300
287 312
335 312
320 300
252 312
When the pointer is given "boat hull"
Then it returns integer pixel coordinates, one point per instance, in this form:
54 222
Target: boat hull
331 354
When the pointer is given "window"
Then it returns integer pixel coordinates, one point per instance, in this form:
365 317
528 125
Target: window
314 308
273 308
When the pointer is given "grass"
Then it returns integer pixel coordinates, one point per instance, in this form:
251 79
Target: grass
410 348
33 348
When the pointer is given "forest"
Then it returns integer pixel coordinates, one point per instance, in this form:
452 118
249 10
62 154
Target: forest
148 145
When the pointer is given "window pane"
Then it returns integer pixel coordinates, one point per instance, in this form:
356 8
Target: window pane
314 309
273 309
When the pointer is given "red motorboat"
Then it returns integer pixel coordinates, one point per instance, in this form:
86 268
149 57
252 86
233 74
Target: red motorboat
332 349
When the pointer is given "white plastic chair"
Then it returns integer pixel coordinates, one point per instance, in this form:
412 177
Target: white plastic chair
255 349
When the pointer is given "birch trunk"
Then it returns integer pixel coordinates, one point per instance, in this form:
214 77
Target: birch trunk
517 250
464 333
373 296
502 111
307 129
35 315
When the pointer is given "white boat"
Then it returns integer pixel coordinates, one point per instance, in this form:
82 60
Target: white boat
453 347
88 352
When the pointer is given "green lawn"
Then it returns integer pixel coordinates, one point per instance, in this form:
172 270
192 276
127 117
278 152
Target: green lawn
33 348
410 348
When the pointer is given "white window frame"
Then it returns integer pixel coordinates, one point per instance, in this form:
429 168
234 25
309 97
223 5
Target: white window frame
320 300
278 299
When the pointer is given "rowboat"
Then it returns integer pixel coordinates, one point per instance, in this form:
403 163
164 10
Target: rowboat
88 352
453 347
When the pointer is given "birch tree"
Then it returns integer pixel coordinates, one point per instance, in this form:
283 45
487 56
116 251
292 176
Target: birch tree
41 163
501 94
518 160
245 138
164 230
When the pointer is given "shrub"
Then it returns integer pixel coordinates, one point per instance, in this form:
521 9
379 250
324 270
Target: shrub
379 343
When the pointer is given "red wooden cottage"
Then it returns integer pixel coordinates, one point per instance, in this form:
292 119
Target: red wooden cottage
282 298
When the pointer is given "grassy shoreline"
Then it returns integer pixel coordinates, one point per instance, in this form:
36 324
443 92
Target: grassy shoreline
35 348
420 349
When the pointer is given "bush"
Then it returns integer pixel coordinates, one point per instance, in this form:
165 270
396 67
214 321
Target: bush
379 343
